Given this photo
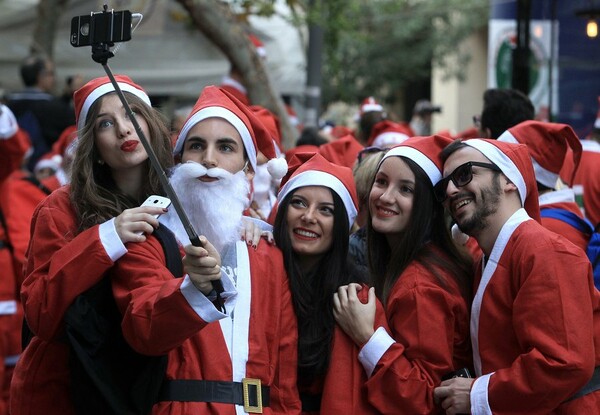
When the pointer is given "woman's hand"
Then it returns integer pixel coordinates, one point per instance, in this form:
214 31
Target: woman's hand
252 233
354 317
132 224
203 265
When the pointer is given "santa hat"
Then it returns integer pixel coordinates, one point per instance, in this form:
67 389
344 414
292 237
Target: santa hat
387 134
271 122
425 151
65 145
85 96
260 47
339 131
515 162
215 102
304 148
342 152
308 169
548 144
370 104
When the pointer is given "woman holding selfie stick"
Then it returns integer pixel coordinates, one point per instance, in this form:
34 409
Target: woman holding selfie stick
422 280
79 231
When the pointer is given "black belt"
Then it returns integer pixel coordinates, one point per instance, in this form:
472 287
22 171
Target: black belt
592 386
311 402
248 392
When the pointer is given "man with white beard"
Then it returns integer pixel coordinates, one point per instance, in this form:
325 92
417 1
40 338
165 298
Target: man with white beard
245 358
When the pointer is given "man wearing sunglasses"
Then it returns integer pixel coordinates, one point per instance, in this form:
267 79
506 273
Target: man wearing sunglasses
535 317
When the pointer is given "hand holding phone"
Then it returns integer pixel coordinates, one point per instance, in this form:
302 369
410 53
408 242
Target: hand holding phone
156 201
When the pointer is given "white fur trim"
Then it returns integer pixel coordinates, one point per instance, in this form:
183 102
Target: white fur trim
374 349
8 123
227 115
241 322
371 107
480 404
388 138
46 163
432 171
501 160
590 145
542 175
103 90
8 307
321 178
489 269
277 168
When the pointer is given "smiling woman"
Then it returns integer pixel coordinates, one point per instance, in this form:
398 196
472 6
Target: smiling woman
419 276
317 207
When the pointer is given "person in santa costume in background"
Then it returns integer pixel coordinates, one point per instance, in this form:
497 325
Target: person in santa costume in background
19 196
547 144
421 278
14 150
586 181
214 349
317 207
370 113
535 318
79 232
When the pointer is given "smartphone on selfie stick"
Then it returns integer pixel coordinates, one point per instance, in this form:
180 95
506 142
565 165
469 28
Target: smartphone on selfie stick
100 31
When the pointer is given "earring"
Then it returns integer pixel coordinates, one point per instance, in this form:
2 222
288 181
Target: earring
100 162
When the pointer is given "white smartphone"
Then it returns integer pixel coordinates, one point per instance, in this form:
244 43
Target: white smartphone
156 201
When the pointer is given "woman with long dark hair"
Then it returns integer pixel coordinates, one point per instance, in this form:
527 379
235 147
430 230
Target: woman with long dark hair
80 230
420 277
317 206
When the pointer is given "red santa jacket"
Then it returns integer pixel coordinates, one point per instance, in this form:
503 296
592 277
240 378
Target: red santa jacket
61 264
164 315
343 388
429 327
563 199
535 324
588 176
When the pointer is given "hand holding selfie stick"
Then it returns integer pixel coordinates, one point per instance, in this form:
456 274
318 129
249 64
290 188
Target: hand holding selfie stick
101 53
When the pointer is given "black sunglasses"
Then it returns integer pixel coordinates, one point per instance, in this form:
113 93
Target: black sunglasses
461 176
369 150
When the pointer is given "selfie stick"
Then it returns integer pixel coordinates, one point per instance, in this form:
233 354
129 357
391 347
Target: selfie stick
101 54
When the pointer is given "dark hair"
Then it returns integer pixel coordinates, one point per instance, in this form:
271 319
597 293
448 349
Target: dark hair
426 233
310 136
312 292
31 68
94 194
503 109
451 148
366 124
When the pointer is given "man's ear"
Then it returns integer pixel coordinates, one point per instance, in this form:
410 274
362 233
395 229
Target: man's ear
249 171
508 185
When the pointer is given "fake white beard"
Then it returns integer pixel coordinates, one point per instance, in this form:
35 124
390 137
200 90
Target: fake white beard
214 208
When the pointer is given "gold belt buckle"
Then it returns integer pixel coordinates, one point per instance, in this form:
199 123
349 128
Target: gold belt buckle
251 409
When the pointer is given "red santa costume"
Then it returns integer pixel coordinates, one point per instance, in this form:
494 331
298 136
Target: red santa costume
535 318
429 324
14 144
256 339
547 144
61 264
341 389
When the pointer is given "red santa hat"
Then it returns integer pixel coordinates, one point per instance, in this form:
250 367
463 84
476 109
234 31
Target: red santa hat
64 146
425 151
215 102
548 144
388 134
85 96
260 47
370 104
271 122
515 162
342 152
309 169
